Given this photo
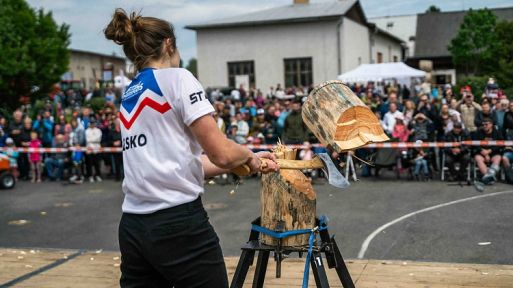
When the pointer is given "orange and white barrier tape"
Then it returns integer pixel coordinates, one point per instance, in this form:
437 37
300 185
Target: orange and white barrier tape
398 145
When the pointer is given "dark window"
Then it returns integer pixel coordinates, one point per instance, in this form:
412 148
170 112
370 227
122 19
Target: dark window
298 72
380 57
241 68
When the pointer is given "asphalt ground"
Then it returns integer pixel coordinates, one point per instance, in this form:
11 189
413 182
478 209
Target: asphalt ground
480 230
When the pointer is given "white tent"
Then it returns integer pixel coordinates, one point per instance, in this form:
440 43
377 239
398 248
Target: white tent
382 71
121 81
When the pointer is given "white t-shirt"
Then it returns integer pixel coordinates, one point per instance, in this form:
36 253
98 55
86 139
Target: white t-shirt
161 157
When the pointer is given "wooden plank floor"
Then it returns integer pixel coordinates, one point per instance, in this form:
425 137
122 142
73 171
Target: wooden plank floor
101 269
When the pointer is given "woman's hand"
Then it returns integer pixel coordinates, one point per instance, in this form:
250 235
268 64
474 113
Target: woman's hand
267 162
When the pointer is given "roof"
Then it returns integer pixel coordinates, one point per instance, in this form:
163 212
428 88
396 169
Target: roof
289 13
98 54
436 30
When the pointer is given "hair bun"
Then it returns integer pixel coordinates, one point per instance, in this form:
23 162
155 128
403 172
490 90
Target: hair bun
121 28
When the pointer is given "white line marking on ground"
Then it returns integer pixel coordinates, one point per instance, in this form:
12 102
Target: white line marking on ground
369 238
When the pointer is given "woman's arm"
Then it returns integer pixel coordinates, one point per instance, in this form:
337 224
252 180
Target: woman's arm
210 168
222 154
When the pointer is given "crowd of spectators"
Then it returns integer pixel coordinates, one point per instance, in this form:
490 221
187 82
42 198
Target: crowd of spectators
424 113
63 122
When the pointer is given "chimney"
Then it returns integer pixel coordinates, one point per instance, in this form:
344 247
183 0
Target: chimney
301 2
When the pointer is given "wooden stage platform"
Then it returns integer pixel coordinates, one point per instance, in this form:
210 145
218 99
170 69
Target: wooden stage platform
71 268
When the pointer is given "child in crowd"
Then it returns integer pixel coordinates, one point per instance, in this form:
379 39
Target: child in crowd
35 157
77 157
419 158
13 156
307 154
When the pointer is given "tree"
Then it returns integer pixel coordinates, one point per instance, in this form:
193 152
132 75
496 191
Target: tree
473 45
433 9
33 51
503 53
192 66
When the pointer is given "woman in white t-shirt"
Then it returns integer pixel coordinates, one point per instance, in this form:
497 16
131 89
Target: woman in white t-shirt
170 144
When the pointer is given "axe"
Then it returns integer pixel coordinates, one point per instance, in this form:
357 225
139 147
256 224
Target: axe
320 161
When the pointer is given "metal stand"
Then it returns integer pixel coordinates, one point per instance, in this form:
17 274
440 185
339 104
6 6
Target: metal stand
328 246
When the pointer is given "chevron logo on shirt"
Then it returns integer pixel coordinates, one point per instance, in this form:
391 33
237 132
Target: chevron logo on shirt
143 92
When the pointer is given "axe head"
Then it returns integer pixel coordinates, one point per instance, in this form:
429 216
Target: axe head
335 178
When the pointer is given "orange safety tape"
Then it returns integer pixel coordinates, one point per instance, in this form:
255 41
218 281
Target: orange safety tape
500 143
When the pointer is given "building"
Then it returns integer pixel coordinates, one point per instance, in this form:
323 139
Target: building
90 69
434 33
295 45
402 26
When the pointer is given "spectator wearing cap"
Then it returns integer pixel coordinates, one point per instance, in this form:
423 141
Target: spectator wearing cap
468 109
459 154
488 155
93 137
401 131
390 118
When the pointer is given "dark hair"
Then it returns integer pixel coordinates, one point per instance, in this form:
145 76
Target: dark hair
141 37
487 119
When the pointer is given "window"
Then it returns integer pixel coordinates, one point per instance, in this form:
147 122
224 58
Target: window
380 57
241 68
298 72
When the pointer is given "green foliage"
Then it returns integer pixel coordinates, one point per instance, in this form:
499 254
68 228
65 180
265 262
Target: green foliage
33 51
192 66
433 9
473 45
503 53
96 103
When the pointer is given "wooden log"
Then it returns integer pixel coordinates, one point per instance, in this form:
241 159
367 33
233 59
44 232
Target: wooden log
288 200
339 119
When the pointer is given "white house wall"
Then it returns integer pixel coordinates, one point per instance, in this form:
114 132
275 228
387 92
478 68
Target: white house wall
403 27
267 46
387 47
355 44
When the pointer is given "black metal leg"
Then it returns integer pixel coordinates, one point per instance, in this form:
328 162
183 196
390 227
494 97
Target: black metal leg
321 280
241 271
328 247
260 269
343 273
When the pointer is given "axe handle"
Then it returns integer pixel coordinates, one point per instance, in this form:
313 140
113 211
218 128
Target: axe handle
315 163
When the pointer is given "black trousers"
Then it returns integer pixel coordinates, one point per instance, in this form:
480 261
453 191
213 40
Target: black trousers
93 161
463 159
175 247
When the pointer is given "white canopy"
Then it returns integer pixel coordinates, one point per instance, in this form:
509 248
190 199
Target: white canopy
379 72
121 81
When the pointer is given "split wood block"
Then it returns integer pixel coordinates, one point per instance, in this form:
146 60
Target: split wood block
339 119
